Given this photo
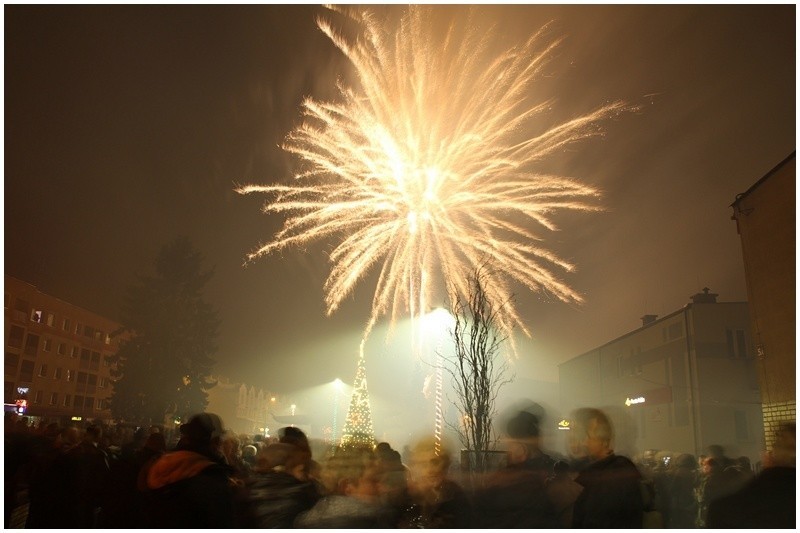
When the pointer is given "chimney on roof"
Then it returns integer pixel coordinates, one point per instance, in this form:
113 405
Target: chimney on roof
705 297
648 319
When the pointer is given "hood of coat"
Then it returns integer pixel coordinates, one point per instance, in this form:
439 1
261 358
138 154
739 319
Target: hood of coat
176 466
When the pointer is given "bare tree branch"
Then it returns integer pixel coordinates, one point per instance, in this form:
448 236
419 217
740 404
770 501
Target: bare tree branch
477 368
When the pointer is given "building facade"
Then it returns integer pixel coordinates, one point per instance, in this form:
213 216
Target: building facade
55 356
243 409
679 383
765 220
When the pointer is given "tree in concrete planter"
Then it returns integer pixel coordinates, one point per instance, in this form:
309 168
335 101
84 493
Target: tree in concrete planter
478 368
162 367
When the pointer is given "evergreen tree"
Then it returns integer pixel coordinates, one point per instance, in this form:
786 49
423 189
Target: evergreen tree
168 339
358 426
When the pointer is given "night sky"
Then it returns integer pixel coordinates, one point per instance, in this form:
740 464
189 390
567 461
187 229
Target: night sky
127 126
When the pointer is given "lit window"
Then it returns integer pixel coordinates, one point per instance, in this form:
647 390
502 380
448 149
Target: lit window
36 315
70 375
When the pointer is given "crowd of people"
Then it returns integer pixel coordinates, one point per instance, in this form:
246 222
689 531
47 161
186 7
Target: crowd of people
102 477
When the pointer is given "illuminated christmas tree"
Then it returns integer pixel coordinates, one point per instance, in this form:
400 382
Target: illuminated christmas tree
358 426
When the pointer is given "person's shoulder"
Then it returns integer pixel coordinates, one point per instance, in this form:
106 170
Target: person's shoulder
621 461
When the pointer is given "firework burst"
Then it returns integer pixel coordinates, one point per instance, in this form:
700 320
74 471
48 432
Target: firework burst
423 169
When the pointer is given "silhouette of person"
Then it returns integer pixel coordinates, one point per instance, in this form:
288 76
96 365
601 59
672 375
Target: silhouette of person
612 491
769 500
515 496
191 487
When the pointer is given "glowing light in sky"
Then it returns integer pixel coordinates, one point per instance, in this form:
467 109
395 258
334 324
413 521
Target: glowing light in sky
428 166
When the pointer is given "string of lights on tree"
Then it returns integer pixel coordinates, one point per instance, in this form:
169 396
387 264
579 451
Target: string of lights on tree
358 429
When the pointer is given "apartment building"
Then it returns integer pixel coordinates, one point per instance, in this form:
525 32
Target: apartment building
679 383
55 356
765 220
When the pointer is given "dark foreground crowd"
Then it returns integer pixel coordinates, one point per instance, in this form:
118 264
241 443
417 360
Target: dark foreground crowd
62 478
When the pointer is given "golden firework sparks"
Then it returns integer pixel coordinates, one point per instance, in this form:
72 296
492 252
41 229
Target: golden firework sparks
425 170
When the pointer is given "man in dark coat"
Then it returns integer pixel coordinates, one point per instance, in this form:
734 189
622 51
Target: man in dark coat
515 496
769 500
191 487
612 485
279 488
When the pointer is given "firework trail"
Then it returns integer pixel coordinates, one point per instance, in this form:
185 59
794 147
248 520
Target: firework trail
423 169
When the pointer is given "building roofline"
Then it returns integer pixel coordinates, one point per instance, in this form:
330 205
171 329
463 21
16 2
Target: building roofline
37 289
777 167
654 323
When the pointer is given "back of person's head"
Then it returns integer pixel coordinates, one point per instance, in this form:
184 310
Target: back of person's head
686 461
523 425
249 453
295 436
283 457
202 431
94 432
560 468
156 443
716 451
70 436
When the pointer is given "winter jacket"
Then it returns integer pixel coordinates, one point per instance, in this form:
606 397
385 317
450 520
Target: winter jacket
611 496
274 499
190 490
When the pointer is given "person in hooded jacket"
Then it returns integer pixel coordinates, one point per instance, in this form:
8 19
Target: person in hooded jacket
191 487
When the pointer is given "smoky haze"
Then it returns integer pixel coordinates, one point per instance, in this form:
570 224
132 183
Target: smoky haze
127 126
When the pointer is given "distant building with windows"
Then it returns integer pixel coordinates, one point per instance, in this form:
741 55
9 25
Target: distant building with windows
55 356
678 383
243 409
765 220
